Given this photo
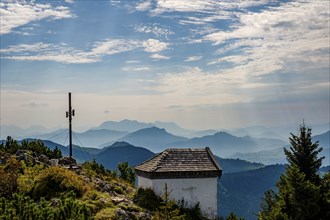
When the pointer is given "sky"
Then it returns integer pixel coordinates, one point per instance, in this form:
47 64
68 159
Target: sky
204 64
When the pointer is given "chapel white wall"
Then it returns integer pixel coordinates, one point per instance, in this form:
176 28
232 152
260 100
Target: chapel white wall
191 190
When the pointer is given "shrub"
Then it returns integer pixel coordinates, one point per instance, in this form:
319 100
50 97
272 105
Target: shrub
55 180
147 199
106 214
9 174
23 207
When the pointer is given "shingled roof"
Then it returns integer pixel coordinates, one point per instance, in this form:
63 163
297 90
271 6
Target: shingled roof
181 163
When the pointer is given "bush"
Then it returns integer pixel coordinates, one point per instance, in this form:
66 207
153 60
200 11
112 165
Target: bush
23 207
9 174
147 199
55 180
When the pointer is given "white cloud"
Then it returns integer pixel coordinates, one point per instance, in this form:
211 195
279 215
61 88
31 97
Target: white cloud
132 61
143 6
284 38
136 69
204 87
157 56
18 13
193 58
114 46
47 52
64 54
234 59
61 58
154 46
37 47
155 29
185 5
211 7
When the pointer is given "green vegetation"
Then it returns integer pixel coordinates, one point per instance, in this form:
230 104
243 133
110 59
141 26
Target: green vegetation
31 189
126 172
147 198
37 147
23 207
302 193
168 209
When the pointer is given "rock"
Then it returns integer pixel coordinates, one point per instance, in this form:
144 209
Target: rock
121 214
21 155
143 215
65 161
54 162
44 159
117 200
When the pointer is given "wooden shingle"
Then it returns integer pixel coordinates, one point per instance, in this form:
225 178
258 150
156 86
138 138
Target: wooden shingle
181 163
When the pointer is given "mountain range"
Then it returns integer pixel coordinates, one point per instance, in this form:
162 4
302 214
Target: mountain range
276 156
156 139
240 188
225 144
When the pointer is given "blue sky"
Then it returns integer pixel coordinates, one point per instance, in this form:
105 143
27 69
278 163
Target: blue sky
203 63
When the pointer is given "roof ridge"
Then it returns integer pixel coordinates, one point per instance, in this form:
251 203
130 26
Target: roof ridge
214 160
163 155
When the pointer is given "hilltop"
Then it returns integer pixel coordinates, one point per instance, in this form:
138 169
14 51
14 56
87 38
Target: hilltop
38 183
89 190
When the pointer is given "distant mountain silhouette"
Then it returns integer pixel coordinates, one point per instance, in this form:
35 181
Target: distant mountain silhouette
132 126
275 156
121 152
173 128
323 139
224 144
124 125
268 157
152 138
237 165
257 132
202 133
90 138
94 138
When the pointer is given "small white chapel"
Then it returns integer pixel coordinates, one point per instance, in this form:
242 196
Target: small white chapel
190 174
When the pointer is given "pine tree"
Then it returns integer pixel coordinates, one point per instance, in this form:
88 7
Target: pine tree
126 172
168 210
302 193
300 198
304 154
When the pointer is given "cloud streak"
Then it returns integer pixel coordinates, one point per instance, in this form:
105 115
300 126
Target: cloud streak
18 13
156 29
275 39
157 56
63 54
193 58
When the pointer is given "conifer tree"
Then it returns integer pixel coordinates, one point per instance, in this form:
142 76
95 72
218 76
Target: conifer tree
126 172
302 193
304 154
168 210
